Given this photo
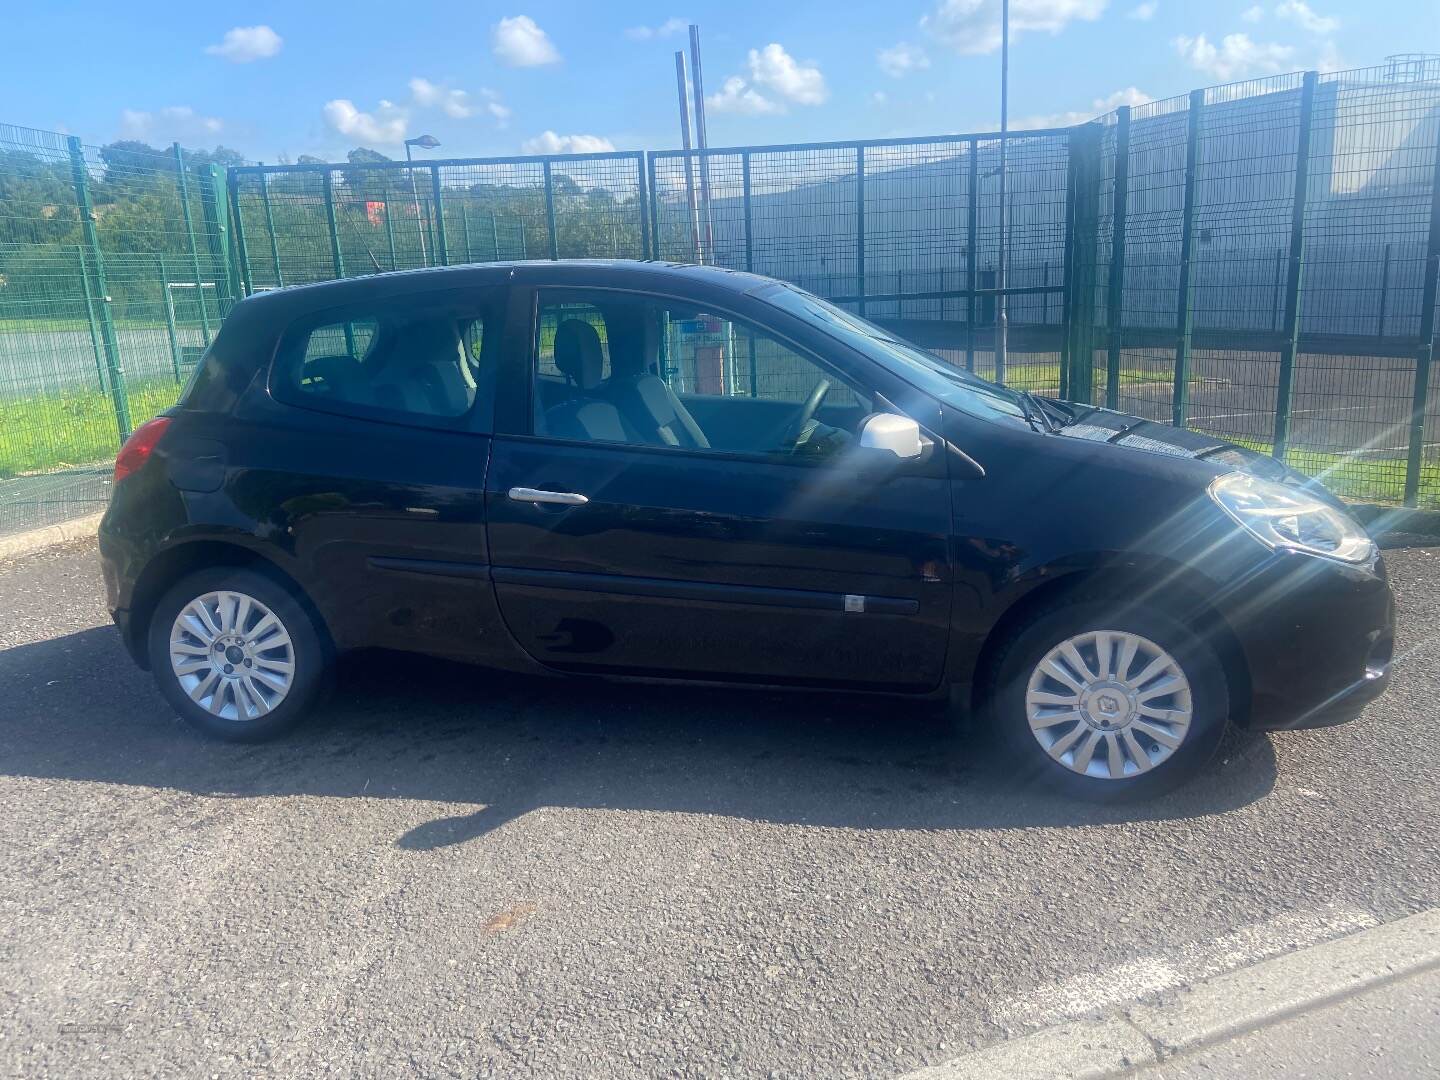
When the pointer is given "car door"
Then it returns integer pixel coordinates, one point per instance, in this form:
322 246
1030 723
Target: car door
654 508
364 457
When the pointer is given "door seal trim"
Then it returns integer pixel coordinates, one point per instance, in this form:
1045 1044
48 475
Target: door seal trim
433 567
756 595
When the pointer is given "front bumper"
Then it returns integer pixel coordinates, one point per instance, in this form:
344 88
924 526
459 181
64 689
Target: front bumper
1317 638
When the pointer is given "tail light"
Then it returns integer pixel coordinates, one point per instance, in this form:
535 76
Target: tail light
138 446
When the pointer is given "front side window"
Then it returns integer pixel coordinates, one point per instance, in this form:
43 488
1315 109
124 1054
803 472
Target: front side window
401 359
655 372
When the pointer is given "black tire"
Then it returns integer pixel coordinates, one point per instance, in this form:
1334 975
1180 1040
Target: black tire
311 653
1017 656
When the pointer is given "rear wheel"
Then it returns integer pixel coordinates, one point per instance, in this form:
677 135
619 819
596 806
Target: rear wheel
1107 702
236 654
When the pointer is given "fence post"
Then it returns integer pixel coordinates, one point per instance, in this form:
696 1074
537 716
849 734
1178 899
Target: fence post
1277 291
1423 356
327 187
749 219
1384 290
270 228
182 180
1295 275
494 236
170 329
389 227
114 371
1067 300
1115 301
90 315
1080 278
1184 316
242 253
442 249
642 204
654 206
860 226
465 231
970 232
550 211
214 204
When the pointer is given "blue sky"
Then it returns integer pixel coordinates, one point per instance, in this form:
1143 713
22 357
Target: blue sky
272 79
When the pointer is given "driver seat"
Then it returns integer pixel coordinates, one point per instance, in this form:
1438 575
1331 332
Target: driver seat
650 405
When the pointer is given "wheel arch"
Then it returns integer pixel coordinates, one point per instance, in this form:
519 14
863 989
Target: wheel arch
1174 589
173 563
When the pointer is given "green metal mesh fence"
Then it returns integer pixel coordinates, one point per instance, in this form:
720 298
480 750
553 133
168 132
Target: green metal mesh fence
1258 261
113 276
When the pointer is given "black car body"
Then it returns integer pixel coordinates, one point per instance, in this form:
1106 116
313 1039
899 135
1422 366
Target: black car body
331 443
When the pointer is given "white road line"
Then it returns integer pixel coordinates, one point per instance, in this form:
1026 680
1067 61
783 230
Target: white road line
1087 994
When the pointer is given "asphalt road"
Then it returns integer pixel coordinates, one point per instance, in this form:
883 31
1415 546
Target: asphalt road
462 874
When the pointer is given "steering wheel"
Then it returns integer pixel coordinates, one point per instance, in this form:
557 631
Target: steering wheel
794 430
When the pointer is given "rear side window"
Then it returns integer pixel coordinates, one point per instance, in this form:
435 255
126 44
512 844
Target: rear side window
405 360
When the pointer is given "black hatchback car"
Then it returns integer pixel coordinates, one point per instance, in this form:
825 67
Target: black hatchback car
625 469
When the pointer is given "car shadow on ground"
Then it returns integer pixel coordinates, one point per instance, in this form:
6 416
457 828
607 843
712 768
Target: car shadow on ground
75 708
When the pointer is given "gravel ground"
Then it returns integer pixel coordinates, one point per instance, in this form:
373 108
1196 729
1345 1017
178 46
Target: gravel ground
458 873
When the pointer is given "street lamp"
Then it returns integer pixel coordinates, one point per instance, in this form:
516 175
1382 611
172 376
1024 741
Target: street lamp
425 142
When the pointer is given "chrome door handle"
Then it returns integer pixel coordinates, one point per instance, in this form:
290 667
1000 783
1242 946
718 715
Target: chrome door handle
558 498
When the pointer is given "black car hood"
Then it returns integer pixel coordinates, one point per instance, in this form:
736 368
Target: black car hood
1136 433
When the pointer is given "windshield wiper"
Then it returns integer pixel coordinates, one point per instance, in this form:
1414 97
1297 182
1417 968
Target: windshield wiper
1034 409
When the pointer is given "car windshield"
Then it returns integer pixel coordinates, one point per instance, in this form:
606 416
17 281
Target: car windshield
953 385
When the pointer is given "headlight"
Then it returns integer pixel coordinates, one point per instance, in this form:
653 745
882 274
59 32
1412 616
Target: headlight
1288 517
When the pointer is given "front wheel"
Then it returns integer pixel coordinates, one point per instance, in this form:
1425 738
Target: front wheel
235 654
1106 702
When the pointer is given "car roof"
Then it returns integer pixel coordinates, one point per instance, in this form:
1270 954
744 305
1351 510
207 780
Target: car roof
287 301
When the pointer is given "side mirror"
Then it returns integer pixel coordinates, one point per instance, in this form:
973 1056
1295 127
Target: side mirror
889 431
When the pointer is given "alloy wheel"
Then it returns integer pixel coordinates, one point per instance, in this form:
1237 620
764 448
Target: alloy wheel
232 655
1109 704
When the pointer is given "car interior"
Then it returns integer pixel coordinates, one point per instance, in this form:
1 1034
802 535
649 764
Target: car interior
425 365
646 374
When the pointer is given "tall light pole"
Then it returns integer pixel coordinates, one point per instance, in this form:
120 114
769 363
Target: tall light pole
428 142
1002 318
685 144
701 141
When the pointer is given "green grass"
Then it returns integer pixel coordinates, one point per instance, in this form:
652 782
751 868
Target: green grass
51 431
82 326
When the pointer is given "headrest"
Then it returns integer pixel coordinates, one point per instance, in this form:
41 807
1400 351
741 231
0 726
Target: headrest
431 341
578 353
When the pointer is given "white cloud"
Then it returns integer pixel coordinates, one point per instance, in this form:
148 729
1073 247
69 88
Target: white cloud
386 125
646 33
547 142
453 103
243 44
1131 96
518 42
973 26
498 110
1143 12
774 68
1235 57
879 97
174 123
1253 14
1300 13
737 96
899 60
